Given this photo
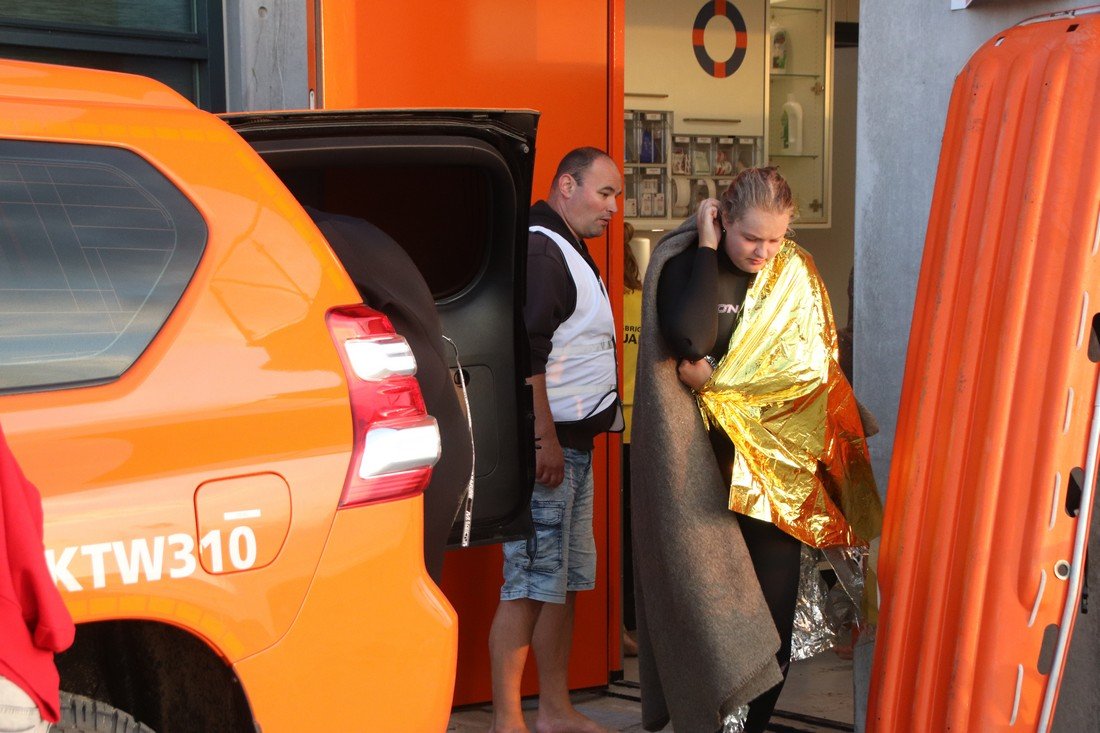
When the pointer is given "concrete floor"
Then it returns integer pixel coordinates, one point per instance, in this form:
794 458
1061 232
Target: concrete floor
818 688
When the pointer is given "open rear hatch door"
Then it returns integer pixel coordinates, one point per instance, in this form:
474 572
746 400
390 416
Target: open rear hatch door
453 189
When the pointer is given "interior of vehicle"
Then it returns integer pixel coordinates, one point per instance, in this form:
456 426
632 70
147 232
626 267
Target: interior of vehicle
451 203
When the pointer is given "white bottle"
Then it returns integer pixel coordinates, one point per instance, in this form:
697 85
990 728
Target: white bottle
791 126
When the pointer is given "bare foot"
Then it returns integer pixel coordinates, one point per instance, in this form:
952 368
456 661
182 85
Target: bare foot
509 724
630 643
571 722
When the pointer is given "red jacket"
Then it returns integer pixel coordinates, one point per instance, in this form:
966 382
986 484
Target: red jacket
34 622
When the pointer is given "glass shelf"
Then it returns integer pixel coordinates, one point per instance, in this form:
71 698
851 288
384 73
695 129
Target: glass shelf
802 54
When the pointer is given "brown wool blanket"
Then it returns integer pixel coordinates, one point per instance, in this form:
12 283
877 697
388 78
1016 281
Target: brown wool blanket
706 640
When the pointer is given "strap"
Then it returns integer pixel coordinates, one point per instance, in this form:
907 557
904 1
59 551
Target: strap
565 244
468 502
601 389
550 233
593 347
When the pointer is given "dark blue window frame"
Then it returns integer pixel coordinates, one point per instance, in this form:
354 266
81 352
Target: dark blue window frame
125 49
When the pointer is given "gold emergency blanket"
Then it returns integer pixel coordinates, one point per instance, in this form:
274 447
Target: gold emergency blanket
779 394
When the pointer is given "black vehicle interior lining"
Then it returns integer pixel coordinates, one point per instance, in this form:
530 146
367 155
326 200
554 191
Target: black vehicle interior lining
447 202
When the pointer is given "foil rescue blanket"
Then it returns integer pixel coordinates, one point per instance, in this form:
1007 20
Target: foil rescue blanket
779 394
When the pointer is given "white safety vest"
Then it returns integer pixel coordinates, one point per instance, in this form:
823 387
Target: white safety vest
581 379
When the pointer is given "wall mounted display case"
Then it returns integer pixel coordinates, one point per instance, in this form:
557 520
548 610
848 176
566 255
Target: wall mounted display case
645 170
646 135
712 120
800 77
704 165
666 175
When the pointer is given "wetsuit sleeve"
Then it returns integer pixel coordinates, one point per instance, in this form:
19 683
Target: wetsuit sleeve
687 297
551 297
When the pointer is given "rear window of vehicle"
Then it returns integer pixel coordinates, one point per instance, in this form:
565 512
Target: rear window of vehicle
96 248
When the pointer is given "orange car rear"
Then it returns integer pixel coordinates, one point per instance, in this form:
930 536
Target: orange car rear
232 491
995 458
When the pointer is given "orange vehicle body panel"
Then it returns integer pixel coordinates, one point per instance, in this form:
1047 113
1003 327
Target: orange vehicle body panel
243 380
563 59
998 395
373 610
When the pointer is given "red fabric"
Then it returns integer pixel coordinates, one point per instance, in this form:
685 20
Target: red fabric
34 623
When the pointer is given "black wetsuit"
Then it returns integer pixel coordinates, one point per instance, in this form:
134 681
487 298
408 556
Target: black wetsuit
699 299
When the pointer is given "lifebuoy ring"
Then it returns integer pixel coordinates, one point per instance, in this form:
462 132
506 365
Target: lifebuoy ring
720 69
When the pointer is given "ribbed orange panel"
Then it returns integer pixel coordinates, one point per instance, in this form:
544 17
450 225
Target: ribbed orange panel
998 393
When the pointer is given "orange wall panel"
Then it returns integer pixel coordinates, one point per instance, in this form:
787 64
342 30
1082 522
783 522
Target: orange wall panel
543 55
562 58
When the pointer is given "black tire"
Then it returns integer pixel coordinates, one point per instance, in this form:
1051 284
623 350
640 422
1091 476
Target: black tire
81 714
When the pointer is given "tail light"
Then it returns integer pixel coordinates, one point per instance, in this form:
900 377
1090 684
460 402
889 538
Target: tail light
396 441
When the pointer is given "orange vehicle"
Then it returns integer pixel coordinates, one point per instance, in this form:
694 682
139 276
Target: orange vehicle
231 448
995 460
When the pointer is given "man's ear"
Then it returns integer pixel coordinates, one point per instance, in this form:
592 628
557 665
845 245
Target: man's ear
567 184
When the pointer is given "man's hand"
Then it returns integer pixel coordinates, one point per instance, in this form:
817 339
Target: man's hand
549 461
694 373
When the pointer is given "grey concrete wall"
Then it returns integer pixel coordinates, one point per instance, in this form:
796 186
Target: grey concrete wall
265 44
910 53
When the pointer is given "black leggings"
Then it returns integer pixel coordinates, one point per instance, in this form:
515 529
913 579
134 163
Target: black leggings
776 559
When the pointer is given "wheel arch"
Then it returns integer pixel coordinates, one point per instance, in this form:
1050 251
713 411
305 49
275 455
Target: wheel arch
165 676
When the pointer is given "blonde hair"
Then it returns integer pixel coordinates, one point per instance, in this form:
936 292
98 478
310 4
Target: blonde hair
757 188
632 278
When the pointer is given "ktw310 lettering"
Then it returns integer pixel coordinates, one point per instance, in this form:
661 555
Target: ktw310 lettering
150 559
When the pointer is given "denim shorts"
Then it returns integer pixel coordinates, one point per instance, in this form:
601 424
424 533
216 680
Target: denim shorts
561 555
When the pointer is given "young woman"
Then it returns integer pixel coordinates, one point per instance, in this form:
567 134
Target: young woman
747 444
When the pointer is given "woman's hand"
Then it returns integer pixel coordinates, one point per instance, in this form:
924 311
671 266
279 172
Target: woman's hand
708 223
694 373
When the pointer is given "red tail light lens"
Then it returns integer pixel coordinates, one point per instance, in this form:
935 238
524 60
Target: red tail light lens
396 441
